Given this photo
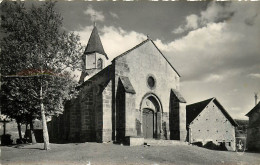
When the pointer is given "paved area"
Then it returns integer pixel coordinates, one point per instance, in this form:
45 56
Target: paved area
110 154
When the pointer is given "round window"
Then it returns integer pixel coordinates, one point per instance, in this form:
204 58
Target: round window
151 82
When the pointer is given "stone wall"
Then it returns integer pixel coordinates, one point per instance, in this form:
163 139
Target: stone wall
107 112
253 139
166 121
130 115
87 117
253 131
138 65
138 125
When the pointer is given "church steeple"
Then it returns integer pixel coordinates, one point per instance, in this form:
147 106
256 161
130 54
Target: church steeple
94 57
95 44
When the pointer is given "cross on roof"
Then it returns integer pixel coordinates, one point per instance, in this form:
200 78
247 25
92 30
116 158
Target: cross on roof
94 18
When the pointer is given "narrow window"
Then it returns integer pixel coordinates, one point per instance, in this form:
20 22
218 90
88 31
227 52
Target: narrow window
100 64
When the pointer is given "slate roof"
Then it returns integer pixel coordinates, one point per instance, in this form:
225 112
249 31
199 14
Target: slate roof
193 110
142 43
255 123
254 109
179 96
95 44
127 85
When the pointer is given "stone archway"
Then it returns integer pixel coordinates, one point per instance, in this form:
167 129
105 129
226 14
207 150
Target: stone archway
151 113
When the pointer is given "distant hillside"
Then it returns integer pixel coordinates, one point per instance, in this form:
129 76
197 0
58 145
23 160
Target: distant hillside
242 127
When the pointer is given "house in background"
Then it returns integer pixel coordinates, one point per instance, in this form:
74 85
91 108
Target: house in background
253 130
209 122
241 129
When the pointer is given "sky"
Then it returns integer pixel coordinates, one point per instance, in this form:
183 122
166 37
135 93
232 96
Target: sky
215 46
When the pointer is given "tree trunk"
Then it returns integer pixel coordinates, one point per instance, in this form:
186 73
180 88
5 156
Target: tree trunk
19 131
44 124
26 130
4 126
32 133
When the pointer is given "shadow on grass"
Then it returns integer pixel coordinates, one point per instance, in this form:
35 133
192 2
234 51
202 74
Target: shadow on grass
31 148
253 151
211 146
21 146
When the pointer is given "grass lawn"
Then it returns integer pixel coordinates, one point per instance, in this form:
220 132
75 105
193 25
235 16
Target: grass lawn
95 153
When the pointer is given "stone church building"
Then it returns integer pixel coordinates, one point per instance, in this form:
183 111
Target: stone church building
136 96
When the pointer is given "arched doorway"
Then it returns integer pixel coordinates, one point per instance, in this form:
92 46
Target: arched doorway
151 117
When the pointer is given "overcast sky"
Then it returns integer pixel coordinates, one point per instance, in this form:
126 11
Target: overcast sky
214 46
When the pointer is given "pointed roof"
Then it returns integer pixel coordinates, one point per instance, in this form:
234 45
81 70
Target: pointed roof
95 44
254 109
142 43
193 110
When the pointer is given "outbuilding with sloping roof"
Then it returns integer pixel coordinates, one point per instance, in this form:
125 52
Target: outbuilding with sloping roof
209 122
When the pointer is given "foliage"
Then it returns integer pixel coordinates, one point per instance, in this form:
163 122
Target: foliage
36 52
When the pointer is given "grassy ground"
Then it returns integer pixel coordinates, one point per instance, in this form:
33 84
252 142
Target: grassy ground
94 153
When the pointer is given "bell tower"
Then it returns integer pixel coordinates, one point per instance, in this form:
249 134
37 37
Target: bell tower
94 57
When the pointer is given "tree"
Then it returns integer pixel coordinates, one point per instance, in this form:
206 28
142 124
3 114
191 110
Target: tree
39 56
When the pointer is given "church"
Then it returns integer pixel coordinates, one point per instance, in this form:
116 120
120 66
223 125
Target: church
135 97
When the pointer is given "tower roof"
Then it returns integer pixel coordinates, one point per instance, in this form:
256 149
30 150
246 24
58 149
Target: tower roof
94 44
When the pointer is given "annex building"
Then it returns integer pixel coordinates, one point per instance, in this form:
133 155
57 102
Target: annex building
253 129
136 96
209 123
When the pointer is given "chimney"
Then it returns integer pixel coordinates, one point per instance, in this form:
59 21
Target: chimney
256 97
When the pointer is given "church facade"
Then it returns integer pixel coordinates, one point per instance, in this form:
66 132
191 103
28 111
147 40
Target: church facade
135 96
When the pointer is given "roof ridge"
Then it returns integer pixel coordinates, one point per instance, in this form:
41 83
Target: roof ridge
202 101
129 50
225 112
165 58
253 109
140 44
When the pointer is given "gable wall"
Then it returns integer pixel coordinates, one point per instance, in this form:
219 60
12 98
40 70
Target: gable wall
144 61
254 117
137 65
212 125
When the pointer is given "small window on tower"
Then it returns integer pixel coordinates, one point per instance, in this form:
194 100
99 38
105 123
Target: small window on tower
100 64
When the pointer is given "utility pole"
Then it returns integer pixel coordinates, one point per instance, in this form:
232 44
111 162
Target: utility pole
256 97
